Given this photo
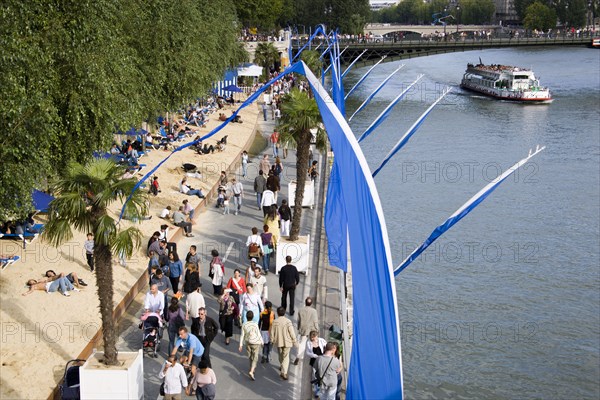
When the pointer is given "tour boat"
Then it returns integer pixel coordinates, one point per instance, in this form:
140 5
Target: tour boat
506 83
596 43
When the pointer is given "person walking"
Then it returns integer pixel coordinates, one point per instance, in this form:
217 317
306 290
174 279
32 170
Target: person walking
264 323
273 183
192 348
245 159
285 217
315 348
251 337
193 303
265 164
216 272
260 184
175 379
265 109
250 301
268 247
175 317
283 337
228 311
207 331
288 280
203 383
275 143
238 194
175 270
308 321
327 367
268 200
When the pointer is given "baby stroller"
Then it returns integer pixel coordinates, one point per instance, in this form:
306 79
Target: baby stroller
69 388
152 333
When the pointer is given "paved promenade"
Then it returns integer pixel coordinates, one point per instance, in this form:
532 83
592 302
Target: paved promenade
227 234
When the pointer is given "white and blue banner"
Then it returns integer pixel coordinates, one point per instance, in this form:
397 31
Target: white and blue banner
385 113
463 211
370 97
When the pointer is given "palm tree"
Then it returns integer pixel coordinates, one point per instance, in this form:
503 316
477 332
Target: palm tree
84 194
266 55
312 59
300 115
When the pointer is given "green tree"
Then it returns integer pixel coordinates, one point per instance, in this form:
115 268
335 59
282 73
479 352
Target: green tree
539 16
476 11
312 59
262 14
300 114
521 6
571 13
71 72
83 197
266 55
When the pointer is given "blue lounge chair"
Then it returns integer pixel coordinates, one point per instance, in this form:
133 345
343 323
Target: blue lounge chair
5 262
24 236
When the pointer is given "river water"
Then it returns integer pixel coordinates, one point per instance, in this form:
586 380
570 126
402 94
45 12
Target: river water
505 305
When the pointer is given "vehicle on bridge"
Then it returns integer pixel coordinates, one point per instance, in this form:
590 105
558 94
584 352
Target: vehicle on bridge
506 83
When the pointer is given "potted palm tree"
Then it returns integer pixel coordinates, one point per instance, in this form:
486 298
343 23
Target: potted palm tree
300 118
83 196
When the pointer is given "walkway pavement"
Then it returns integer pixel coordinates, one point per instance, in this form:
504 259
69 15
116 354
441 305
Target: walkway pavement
227 234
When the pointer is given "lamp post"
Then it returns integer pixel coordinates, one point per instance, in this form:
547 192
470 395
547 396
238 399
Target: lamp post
444 22
457 18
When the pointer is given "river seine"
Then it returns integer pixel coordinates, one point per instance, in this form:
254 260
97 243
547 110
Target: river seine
506 305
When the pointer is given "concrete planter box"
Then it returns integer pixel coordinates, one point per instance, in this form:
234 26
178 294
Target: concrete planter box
124 381
309 193
298 250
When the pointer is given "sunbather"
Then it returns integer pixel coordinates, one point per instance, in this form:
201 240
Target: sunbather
72 277
60 283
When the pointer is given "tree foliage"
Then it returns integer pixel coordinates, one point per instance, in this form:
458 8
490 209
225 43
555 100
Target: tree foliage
416 12
262 14
312 59
71 73
476 11
539 16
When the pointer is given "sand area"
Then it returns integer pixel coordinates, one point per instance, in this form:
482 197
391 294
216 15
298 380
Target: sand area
42 331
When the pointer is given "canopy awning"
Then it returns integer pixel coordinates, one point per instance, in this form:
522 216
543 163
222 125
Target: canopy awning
251 70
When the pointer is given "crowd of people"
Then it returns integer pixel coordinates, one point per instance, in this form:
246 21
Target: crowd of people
244 302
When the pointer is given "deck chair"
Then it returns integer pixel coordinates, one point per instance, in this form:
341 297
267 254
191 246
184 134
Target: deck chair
24 236
5 262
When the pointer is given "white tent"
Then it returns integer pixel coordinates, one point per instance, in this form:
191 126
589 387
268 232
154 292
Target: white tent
250 70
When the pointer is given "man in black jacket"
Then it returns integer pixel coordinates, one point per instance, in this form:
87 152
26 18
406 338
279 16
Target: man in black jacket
207 332
288 280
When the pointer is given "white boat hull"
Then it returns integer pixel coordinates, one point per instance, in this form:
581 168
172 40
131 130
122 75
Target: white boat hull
539 97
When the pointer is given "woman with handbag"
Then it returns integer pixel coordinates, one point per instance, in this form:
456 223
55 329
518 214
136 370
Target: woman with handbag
216 272
268 245
272 219
228 311
254 243
237 284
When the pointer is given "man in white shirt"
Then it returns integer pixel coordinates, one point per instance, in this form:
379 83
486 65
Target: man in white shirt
155 300
193 303
268 199
238 193
259 282
175 379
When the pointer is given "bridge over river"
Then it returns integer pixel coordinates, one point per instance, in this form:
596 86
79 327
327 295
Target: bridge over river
404 49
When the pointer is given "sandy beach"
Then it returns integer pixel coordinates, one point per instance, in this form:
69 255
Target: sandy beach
42 331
